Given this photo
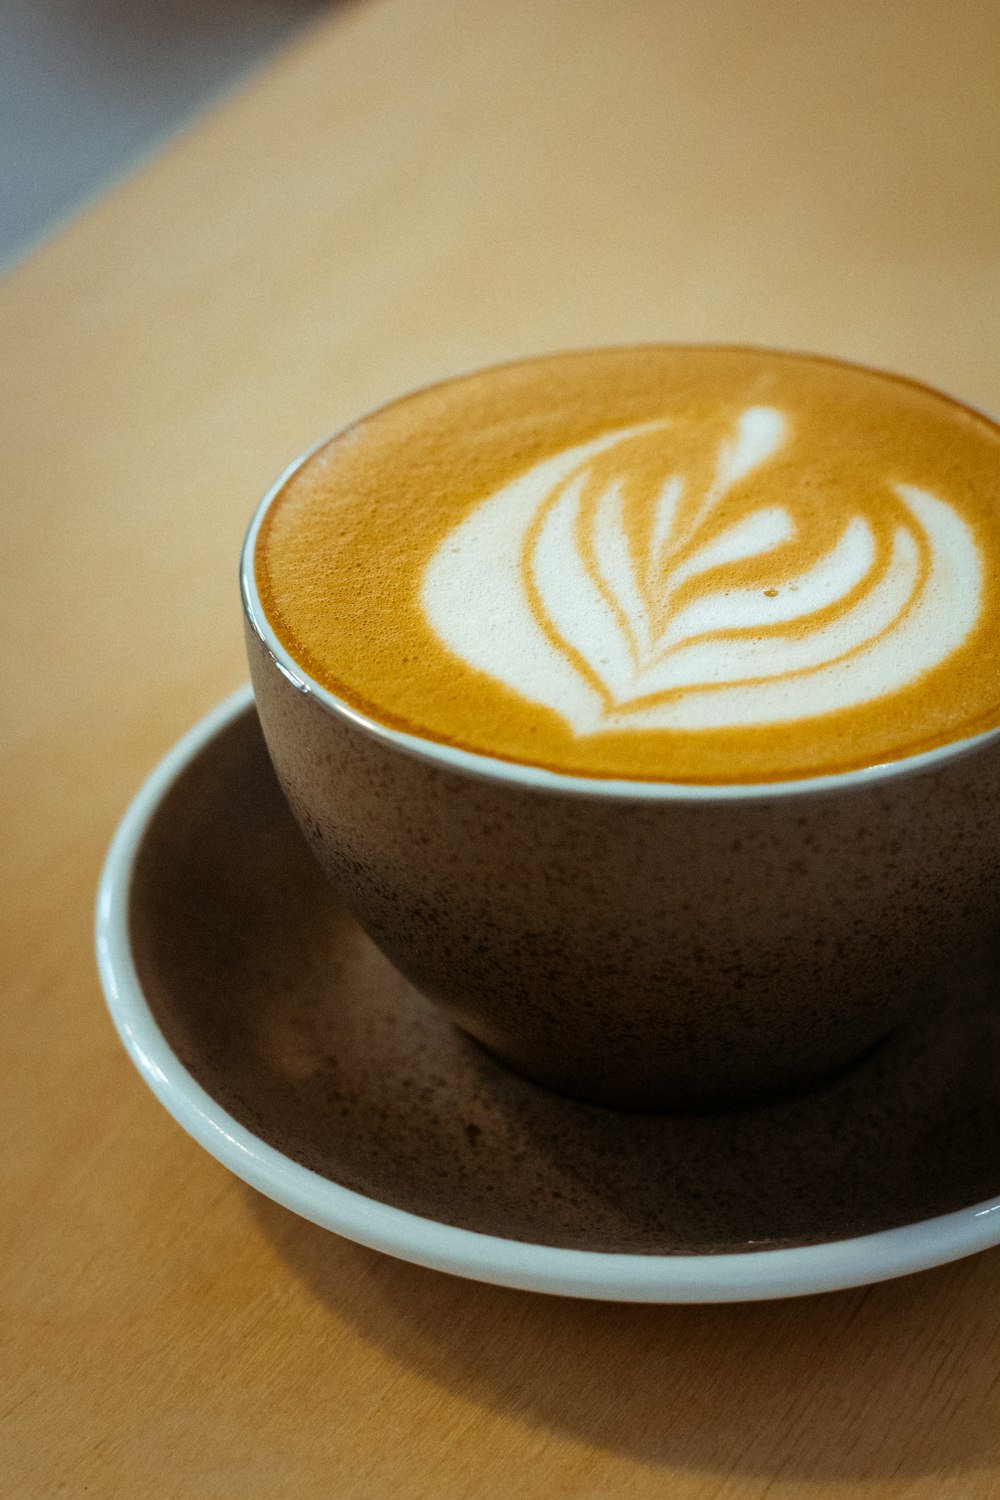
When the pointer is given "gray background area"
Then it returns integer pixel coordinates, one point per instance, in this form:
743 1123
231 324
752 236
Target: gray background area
90 88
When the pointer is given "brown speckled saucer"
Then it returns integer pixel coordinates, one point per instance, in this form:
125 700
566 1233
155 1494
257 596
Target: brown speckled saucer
274 1001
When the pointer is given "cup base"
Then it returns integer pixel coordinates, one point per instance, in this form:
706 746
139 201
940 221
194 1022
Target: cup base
697 1104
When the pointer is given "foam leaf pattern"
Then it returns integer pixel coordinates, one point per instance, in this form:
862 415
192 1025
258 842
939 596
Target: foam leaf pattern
548 588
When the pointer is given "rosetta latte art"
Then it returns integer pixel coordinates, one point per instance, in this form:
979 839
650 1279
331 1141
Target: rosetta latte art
675 612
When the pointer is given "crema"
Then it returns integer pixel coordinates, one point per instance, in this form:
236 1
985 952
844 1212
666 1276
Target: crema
681 564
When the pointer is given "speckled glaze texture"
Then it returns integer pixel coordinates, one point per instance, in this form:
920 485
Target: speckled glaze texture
273 999
683 954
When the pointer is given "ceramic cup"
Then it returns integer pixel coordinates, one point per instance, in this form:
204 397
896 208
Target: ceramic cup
654 946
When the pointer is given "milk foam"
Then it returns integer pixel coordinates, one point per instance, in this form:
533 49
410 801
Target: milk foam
550 594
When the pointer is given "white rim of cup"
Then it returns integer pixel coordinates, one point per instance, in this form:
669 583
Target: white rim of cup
752 1275
520 774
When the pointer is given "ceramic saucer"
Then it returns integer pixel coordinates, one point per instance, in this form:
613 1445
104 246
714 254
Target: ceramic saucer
274 1032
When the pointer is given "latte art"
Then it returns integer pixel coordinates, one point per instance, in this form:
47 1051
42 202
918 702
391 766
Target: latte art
668 564
542 588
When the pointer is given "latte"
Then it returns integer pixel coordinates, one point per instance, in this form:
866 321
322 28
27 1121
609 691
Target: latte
679 564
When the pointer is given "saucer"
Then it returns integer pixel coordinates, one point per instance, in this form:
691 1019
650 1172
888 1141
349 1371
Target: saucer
276 1034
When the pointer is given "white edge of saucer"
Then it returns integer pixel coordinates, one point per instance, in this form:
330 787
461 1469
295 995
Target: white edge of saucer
737 1277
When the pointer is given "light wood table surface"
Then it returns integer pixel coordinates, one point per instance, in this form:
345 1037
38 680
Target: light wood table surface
418 187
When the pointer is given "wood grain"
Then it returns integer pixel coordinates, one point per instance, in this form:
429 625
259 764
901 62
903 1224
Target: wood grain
421 186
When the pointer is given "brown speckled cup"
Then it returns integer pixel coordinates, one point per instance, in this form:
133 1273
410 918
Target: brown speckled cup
644 945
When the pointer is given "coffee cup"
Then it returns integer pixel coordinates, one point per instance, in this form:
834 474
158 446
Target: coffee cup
764 903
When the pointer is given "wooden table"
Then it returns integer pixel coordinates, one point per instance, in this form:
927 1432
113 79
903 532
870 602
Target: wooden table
417 187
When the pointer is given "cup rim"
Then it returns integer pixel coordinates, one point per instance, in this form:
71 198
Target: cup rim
522 774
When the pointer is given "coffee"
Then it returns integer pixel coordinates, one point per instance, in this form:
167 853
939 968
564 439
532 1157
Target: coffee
673 564
651 568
